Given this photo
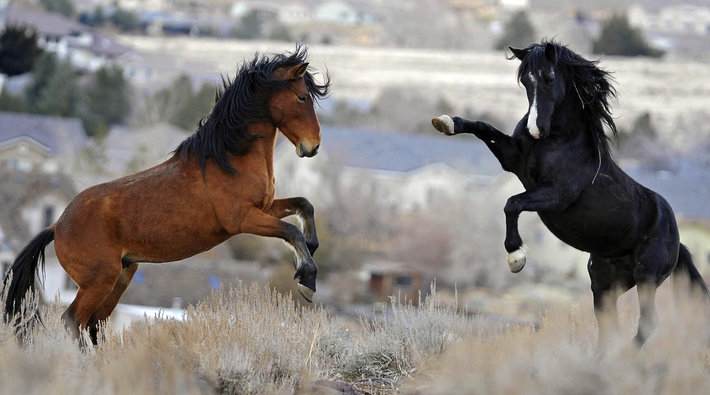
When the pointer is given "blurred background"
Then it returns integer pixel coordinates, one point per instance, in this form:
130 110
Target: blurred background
96 89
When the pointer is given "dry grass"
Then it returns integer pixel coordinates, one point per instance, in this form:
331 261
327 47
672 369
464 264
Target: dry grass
251 340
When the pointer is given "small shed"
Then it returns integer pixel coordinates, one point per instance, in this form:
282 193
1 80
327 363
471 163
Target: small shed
403 281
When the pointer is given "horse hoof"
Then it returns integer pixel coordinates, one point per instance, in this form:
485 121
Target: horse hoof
306 292
516 259
444 124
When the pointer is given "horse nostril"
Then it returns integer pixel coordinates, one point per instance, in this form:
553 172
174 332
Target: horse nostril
315 149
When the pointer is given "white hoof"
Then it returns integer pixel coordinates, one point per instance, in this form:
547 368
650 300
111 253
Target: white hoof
444 124
516 259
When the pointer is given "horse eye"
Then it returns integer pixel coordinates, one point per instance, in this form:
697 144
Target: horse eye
302 99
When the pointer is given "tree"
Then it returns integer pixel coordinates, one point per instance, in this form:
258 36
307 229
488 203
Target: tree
249 26
617 37
64 7
125 20
196 107
518 32
95 18
53 89
108 95
11 103
18 50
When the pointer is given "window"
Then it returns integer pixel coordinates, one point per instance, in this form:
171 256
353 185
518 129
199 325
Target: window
403 281
48 216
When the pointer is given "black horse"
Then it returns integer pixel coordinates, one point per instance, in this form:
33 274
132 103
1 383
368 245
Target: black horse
560 153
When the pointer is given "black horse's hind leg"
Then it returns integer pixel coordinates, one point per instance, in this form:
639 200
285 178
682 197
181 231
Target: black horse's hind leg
648 316
500 144
657 257
609 279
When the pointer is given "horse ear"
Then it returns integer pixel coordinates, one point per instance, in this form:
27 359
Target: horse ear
297 72
519 53
551 53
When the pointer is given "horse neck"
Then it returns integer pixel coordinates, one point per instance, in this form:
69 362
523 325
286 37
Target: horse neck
262 148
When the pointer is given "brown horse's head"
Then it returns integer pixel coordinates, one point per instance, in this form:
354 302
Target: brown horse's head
293 110
269 90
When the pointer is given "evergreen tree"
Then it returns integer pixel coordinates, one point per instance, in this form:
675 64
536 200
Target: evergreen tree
619 38
249 27
64 7
60 96
108 95
125 20
53 89
18 50
518 32
197 106
11 103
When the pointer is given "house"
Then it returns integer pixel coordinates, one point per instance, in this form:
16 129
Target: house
36 142
412 171
70 40
129 150
31 202
401 280
346 13
678 17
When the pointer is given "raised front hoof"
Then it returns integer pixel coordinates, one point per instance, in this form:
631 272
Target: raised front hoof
517 259
306 292
444 124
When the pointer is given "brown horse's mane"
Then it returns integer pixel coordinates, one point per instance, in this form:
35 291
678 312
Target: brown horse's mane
240 102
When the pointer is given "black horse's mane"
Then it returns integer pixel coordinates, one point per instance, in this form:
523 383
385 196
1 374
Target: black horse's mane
240 102
588 83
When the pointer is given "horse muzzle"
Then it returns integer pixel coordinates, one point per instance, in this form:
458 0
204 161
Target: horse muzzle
303 150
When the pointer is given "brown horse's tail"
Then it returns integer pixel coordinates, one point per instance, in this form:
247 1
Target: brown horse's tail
24 270
685 265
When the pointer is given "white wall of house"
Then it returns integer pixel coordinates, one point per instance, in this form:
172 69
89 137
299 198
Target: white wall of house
337 12
294 13
57 283
678 19
43 211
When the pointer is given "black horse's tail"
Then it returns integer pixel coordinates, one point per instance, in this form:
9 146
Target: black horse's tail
24 270
685 265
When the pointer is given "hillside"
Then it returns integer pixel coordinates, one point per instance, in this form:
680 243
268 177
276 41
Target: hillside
675 93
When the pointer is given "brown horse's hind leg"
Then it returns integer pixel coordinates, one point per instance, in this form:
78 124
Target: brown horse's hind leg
96 281
106 308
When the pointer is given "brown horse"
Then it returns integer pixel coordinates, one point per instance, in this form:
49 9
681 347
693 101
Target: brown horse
218 183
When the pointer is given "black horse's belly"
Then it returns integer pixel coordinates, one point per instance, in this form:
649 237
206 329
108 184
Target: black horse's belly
606 231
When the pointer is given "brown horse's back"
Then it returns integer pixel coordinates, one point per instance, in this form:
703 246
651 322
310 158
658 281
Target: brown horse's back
105 217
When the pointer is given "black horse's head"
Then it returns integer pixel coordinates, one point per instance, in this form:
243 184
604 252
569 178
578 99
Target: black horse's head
544 83
553 76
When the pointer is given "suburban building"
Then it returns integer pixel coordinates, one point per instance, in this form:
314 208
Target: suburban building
678 17
70 40
48 144
411 172
129 150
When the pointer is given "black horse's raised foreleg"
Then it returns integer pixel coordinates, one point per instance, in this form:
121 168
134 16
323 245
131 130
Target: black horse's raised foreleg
500 144
259 223
302 208
542 199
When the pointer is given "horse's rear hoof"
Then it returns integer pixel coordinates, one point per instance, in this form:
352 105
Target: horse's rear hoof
516 259
444 124
306 292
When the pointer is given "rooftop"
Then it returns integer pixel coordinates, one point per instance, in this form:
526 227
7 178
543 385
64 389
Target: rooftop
400 152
